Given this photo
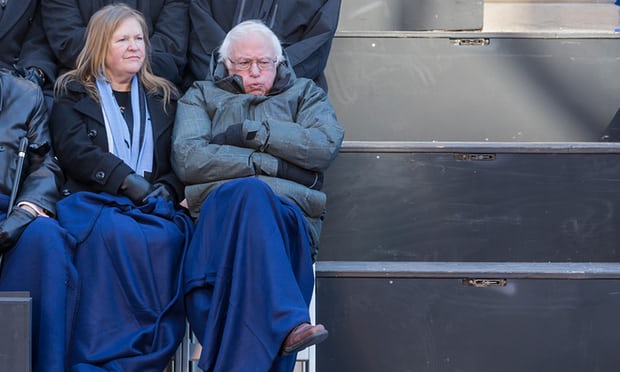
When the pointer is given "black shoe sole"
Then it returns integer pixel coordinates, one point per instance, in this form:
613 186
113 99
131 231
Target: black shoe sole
309 341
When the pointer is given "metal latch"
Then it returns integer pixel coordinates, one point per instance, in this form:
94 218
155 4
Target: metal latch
485 283
476 156
478 41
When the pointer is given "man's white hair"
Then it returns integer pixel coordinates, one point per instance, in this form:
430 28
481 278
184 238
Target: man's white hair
241 31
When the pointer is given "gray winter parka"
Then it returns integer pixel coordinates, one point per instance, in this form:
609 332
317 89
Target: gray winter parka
294 122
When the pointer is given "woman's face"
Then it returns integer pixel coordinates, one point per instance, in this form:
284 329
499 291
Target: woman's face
125 54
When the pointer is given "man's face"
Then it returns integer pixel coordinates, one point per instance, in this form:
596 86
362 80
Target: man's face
252 59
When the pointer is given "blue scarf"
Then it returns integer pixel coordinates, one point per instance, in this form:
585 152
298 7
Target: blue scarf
139 156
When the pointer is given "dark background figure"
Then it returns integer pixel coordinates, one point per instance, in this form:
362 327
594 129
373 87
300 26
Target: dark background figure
168 23
36 251
23 45
305 28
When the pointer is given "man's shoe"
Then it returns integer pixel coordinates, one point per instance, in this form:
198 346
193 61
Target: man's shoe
302 336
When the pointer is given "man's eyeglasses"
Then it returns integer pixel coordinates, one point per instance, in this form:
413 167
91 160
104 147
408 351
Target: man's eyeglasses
262 64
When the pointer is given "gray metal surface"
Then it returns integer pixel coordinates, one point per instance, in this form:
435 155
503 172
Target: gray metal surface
471 257
474 86
488 270
561 16
474 211
511 202
15 331
411 15
436 325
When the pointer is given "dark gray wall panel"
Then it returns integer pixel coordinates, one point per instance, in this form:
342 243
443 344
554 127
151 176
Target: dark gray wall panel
434 206
441 325
425 87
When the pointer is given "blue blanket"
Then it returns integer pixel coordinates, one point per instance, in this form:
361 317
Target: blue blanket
131 314
41 263
248 277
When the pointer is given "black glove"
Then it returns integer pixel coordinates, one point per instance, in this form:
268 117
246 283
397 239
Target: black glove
290 171
159 191
232 136
31 73
13 227
136 188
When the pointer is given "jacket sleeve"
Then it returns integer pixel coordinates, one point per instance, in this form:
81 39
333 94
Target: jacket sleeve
42 176
65 29
36 51
169 40
205 35
196 160
309 55
80 158
314 139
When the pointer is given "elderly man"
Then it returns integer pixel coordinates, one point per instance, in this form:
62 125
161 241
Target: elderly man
252 143
36 251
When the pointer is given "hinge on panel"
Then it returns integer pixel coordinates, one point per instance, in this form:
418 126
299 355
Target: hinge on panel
477 41
470 156
485 283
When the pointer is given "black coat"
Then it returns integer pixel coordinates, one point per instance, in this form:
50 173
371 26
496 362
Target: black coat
24 113
79 135
22 40
305 28
65 23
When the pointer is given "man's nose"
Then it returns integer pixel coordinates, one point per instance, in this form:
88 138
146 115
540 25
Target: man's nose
254 70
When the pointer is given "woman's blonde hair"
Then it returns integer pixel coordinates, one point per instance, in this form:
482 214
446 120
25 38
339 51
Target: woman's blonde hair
90 64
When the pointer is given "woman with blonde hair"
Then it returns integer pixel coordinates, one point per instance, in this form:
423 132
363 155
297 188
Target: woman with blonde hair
112 124
65 23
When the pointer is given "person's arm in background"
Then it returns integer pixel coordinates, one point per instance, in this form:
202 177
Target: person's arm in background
169 39
65 29
308 57
205 35
36 53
